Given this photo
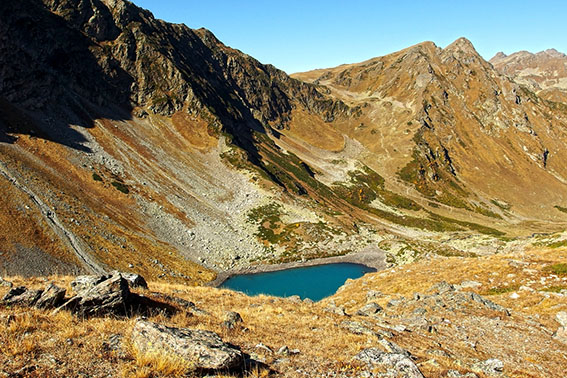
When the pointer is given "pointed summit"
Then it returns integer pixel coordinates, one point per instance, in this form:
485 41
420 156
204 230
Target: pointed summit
499 55
461 44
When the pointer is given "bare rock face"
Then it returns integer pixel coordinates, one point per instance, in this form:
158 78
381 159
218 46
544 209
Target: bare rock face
82 283
398 365
369 309
51 297
135 280
21 296
202 349
109 296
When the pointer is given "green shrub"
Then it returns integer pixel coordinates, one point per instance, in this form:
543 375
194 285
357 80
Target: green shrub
120 186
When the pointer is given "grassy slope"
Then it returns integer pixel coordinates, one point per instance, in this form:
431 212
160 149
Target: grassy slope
62 345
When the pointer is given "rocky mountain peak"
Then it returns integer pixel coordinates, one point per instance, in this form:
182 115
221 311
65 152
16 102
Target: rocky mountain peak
499 55
461 44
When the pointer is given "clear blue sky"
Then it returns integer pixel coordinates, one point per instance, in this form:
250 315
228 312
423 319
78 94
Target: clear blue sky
300 35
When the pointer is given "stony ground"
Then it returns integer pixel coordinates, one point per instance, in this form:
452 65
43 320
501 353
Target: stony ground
447 317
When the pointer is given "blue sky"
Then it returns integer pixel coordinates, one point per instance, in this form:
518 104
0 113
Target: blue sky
297 35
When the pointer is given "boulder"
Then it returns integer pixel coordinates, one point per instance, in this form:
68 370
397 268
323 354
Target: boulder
53 296
441 288
135 280
5 283
21 296
489 304
107 297
370 309
204 350
231 320
398 365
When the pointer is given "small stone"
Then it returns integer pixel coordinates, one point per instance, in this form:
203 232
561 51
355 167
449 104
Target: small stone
492 366
134 280
5 283
338 310
561 335
264 347
456 374
370 309
469 285
231 319
514 296
561 318
373 294
283 351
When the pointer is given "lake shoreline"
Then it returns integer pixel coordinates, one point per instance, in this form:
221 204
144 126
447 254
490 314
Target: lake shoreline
370 257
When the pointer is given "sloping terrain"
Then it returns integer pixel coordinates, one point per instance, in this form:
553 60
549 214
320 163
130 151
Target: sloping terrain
130 143
493 316
545 72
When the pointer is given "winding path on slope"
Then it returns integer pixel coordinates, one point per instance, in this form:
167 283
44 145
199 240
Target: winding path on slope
53 221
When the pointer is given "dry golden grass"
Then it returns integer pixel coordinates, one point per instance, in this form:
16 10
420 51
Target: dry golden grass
37 338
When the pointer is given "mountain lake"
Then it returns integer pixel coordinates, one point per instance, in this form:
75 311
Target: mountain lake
313 282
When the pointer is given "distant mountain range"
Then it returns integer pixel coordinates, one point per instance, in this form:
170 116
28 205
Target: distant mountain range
131 143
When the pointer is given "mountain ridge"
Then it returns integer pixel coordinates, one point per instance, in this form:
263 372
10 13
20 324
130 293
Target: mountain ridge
151 140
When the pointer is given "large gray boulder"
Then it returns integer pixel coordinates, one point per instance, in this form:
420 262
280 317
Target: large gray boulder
203 350
107 297
397 364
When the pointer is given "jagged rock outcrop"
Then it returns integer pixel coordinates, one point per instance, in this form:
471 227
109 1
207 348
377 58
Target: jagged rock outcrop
51 297
109 295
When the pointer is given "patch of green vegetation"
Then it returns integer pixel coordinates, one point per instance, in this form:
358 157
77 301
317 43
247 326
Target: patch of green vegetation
559 269
560 208
555 244
434 205
120 186
501 290
268 219
554 289
470 225
486 212
97 177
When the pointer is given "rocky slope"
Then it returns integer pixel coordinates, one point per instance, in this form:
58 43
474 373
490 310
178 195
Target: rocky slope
545 72
130 143
494 316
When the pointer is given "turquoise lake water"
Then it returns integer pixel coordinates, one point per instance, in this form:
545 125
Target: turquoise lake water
313 282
